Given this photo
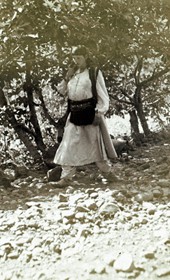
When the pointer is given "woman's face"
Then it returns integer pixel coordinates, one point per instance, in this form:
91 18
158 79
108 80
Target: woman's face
79 60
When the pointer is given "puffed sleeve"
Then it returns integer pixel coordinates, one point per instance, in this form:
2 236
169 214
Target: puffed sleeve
62 87
103 97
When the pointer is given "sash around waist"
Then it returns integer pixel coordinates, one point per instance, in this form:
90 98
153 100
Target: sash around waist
81 104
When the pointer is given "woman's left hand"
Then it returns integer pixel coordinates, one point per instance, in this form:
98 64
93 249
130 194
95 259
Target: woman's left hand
97 119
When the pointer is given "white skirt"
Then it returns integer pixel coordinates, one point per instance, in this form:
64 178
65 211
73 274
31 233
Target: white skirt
80 145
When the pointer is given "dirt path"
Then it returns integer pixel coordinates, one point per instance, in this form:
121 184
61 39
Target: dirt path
92 229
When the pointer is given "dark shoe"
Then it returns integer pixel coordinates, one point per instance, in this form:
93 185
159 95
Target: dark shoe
53 175
62 183
112 178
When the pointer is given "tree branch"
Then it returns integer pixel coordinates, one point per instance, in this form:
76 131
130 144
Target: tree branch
154 76
45 110
120 100
138 70
123 91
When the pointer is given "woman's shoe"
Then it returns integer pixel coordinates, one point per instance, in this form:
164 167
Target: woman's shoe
112 178
63 183
53 175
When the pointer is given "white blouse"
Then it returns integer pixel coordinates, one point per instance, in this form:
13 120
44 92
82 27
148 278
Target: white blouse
79 87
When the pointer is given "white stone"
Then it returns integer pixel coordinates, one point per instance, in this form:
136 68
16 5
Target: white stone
13 255
94 195
110 258
22 240
63 197
150 207
147 196
157 193
164 183
161 272
91 204
81 208
69 214
124 263
109 208
80 216
138 198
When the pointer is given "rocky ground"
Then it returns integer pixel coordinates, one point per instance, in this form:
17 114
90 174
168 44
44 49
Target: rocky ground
94 228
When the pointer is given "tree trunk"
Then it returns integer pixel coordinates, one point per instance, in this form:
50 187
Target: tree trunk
139 108
45 110
23 136
134 126
3 101
33 116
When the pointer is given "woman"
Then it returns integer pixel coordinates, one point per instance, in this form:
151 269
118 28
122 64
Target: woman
84 143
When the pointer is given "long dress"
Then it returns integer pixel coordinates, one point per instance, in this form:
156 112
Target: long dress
83 145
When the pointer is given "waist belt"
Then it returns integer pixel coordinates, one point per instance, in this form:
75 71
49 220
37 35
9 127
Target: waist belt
81 104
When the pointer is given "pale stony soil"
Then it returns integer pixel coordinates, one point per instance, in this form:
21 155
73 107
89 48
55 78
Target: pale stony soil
94 229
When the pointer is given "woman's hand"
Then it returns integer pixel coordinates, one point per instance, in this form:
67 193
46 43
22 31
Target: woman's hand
97 119
69 74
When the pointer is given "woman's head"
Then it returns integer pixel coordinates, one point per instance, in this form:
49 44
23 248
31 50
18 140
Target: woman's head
80 56
80 50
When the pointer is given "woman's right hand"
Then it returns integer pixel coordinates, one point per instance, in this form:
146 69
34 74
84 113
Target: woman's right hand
69 74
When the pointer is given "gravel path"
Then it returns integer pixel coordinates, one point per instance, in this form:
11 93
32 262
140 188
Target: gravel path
94 228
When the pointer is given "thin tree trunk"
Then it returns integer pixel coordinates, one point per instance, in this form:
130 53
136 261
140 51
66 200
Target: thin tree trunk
23 136
134 126
139 108
19 129
3 101
33 116
45 110
143 120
